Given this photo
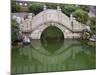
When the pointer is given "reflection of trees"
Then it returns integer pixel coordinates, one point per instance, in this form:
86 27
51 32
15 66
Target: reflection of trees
22 63
38 59
14 30
58 57
52 41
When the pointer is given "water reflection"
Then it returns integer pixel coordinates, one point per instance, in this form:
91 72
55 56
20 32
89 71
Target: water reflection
52 38
71 55
52 45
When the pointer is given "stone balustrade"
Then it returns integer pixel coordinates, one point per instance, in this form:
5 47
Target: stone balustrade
69 26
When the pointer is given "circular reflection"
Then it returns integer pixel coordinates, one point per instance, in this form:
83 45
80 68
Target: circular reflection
52 38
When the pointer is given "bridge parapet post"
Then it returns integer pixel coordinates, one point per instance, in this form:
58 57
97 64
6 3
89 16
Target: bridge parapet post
44 7
71 17
58 8
71 20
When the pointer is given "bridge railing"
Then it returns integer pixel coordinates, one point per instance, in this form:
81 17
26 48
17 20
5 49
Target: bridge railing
51 15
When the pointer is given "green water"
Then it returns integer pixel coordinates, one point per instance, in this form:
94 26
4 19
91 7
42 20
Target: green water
53 55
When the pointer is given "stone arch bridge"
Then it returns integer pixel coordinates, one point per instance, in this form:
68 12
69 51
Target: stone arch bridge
34 25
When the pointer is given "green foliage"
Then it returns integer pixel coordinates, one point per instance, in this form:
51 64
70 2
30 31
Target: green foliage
51 6
68 9
15 7
53 32
36 8
52 38
92 21
84 7
92 24
81 16
14 30
85 35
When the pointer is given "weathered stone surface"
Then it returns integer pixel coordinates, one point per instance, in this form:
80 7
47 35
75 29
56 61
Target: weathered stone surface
35 25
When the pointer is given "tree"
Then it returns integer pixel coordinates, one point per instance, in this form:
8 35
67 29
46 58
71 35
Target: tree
14 30
84 7
81 16
15 7
68 9
51 6
36 8
92 24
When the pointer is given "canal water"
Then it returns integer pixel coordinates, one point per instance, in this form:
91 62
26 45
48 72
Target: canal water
53 55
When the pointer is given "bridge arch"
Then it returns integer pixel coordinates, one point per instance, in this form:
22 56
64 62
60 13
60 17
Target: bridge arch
36 33
36 24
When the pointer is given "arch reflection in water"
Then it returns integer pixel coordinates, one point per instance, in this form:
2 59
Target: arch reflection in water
52 38
73 55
